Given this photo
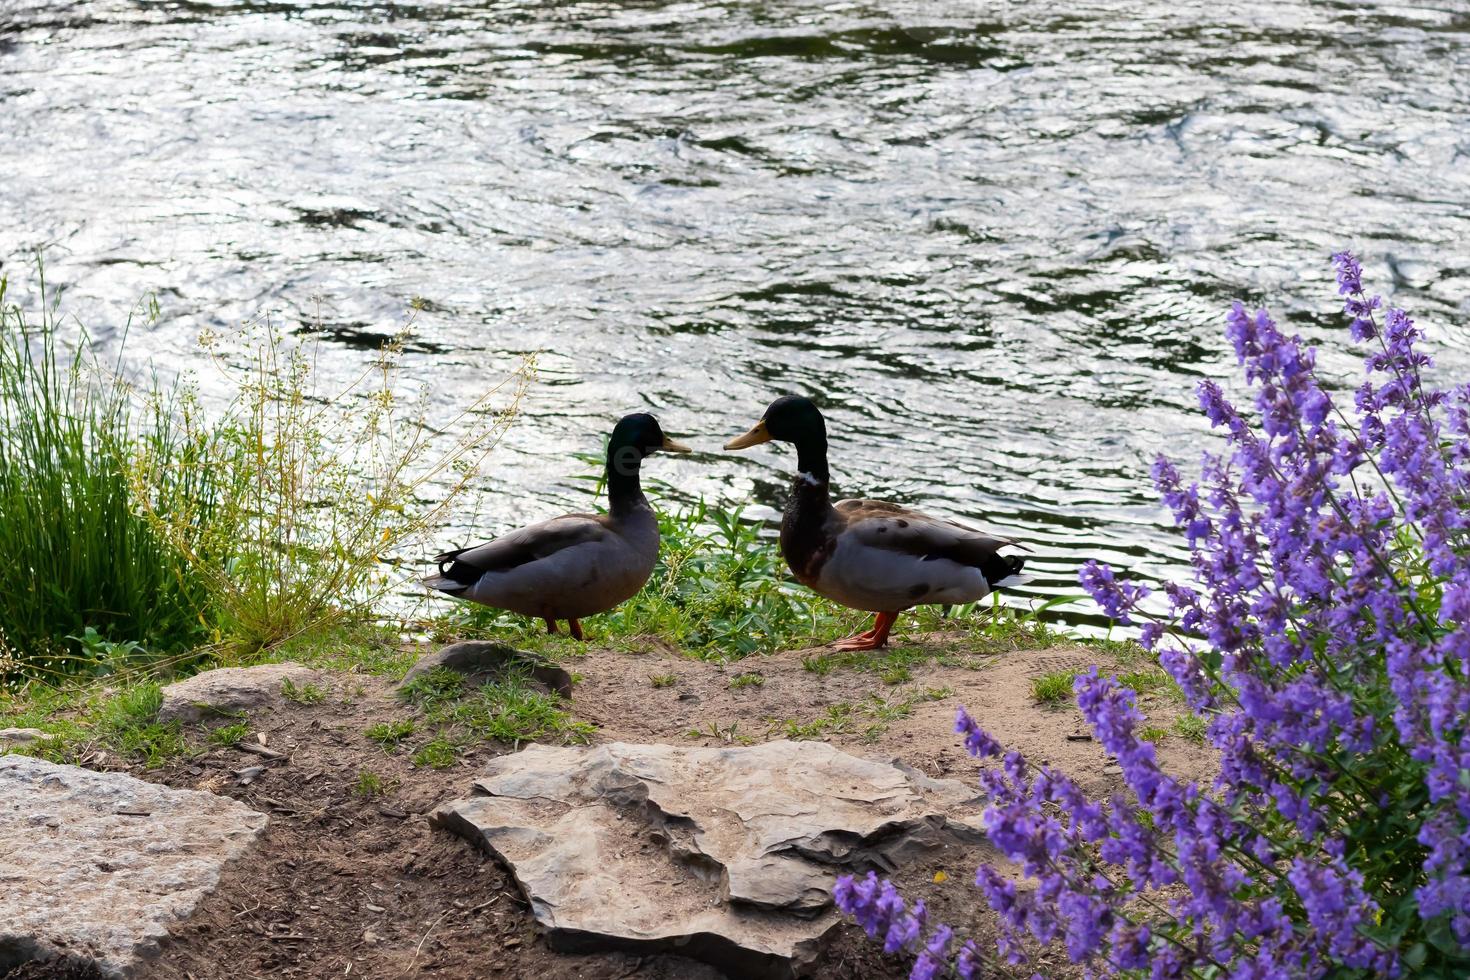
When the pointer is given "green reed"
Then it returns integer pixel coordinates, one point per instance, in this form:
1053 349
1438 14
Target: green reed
80 567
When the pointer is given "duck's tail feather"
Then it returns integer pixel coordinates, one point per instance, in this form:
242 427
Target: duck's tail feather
444 584
444 558
453 576
1002 567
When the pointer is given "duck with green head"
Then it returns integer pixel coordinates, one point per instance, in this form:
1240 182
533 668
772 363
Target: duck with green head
870 554
575 565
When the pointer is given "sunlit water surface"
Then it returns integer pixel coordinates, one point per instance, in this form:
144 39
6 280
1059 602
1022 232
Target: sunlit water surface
995 239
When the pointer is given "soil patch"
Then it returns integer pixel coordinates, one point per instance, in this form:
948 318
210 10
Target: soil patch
344 884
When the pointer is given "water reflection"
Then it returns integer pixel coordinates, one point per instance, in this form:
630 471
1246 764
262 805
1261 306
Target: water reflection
996 240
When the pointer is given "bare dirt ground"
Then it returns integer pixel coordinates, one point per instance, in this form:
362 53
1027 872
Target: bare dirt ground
347 886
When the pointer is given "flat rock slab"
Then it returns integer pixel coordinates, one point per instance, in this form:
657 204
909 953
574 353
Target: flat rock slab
727 855
97 865
13 737
228 691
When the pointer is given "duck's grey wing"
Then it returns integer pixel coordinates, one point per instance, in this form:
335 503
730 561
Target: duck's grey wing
889 527
458 570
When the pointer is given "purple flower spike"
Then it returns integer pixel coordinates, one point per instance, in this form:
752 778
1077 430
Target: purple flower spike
1117 599
1324 649
977 742
1349 273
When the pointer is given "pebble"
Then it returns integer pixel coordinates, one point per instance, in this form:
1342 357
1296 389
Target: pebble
376 908
249 774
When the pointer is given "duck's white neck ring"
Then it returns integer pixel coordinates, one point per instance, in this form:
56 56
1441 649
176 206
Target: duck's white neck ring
811 480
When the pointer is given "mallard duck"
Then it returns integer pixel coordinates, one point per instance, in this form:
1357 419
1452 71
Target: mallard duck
870 554
575 565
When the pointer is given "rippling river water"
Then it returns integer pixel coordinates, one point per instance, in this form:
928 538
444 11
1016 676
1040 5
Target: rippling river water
997 239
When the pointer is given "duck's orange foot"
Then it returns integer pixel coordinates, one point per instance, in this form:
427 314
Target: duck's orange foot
863 641
874 639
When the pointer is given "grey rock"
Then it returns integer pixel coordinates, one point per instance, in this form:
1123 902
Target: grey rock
230 690
482 659
12 737
98 865
779 882
726 855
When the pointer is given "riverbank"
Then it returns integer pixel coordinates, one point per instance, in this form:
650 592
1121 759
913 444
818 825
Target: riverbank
351 877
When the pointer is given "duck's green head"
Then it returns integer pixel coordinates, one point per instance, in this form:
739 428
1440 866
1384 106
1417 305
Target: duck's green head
637 436
790 418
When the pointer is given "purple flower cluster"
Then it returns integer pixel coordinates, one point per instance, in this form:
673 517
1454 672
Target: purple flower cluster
1117 599
1326 640
1094 864
881 911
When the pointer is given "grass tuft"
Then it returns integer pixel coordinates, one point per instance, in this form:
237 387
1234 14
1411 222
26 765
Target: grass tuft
433 688
438 753
1191 727
1145 680
1055 687
141 531
897 674
370 785
509 709
389 734
895 664
129 723
722 733
837 718
307 693
844 717
229 735
322 488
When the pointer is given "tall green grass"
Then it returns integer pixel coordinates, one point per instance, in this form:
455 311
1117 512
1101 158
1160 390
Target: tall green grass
325 484
138 529
75 552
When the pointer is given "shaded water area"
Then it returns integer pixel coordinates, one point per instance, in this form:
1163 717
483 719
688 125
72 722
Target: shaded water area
996 239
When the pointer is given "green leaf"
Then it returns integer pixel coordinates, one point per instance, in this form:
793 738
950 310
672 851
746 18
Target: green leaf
1415 957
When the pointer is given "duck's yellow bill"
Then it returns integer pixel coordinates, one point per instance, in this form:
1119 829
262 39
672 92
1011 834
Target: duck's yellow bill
670 445
754 437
